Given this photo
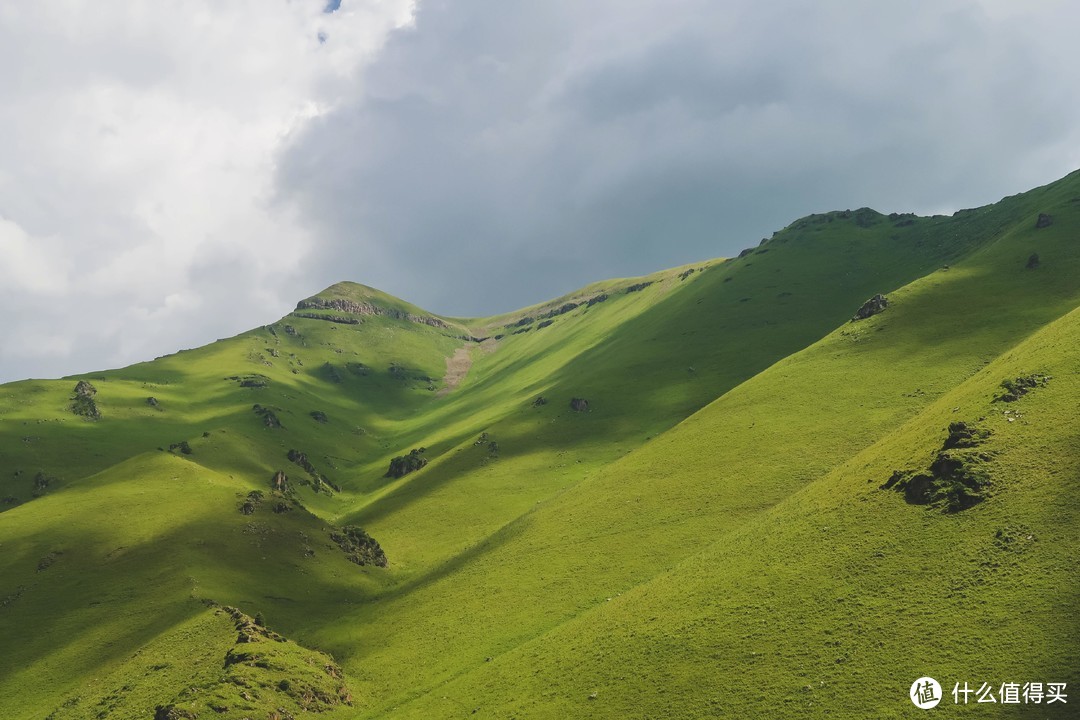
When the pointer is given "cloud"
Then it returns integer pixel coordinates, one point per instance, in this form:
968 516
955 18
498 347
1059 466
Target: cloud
177 171
140 146
499 155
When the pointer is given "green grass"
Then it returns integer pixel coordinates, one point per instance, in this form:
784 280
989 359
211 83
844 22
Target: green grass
708 539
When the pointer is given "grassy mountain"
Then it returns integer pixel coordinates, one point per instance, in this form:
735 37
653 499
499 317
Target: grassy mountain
704 492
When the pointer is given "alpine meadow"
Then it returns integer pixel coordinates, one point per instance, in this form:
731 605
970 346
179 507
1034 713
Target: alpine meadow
780 485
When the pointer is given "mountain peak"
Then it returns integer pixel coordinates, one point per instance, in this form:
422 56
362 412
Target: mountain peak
347 301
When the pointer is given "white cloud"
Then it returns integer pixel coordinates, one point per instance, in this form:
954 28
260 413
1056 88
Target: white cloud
140 140
524 149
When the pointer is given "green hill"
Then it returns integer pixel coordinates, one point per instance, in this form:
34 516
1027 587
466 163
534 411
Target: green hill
704 492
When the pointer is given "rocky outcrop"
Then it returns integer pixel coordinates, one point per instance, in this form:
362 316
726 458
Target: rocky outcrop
1033 261
638 287
956 479
250 381
269 417
83 403
359 547
561 310
402 465
251 502
1045 220
1015 388
300 458
343 320
361 308
871 307
579 404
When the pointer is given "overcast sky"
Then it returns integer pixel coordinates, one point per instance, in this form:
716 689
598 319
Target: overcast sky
176 171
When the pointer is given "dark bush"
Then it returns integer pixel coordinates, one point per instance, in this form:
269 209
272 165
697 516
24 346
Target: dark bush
42 483
330 373
183 446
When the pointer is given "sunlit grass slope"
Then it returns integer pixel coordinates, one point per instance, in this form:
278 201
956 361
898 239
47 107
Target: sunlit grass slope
721 396
744 454
830 601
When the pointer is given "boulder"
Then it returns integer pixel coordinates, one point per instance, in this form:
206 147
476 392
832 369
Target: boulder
579 404
1045 220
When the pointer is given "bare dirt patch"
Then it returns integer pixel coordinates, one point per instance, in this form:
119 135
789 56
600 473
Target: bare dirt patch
457 367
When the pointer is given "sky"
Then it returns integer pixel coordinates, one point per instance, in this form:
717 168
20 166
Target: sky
177 171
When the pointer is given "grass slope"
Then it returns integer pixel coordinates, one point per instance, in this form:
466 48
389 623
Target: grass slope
747 452
833 600
720 396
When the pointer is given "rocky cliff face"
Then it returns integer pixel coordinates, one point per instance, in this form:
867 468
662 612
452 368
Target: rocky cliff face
361 308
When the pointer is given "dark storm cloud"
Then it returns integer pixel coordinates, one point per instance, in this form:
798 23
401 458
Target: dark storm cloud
502 153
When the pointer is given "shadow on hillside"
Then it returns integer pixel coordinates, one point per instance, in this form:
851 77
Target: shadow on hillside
696 343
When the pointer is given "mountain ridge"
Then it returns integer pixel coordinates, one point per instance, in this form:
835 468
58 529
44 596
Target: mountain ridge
597 485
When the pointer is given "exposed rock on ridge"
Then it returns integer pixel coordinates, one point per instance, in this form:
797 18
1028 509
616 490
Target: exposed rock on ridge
362 308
